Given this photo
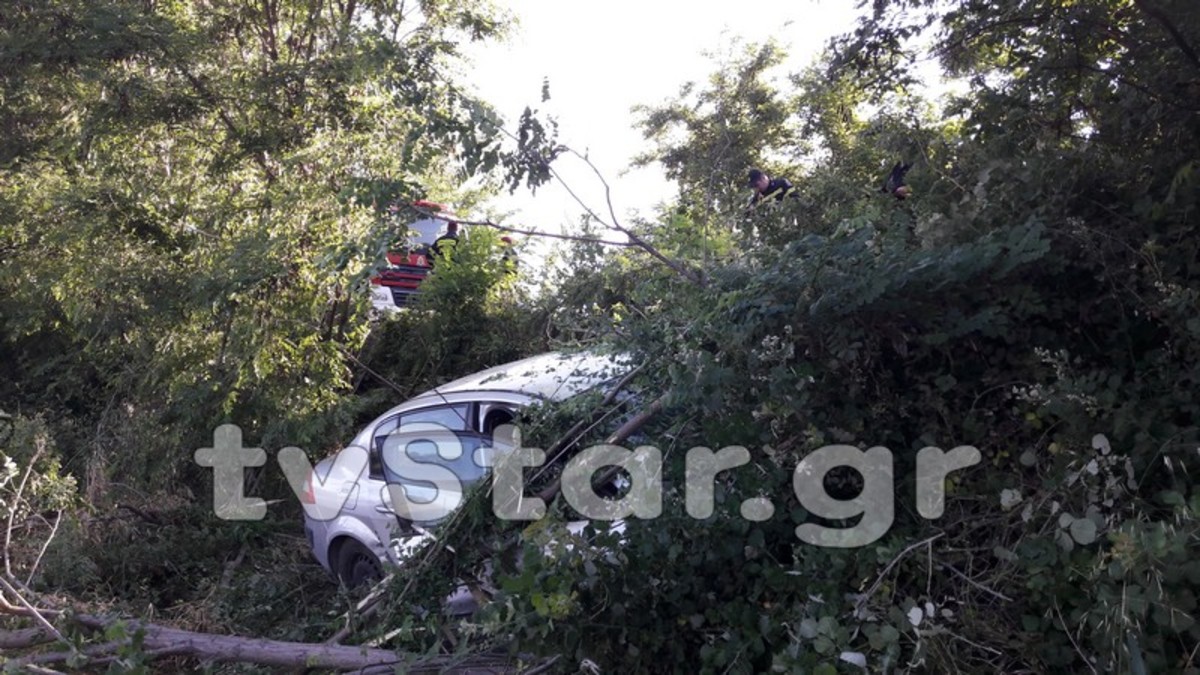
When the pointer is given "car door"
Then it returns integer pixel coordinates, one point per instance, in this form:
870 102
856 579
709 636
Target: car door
432 455
415 434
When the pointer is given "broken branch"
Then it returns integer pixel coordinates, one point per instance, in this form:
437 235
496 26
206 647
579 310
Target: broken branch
618 437
159 641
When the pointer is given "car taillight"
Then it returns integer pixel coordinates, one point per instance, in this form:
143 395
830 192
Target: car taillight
309 497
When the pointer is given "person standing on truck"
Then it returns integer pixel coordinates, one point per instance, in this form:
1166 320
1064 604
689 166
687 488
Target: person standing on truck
443 246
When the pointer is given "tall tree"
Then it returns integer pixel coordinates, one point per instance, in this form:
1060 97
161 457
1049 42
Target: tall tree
191 189
710 135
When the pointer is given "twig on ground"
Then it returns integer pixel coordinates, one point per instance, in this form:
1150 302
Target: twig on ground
974 583
878 580
1067 629
26 609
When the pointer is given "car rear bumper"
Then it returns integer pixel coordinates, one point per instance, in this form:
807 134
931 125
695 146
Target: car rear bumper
318 542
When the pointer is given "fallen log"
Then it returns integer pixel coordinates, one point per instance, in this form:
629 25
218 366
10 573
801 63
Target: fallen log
160 641
24 638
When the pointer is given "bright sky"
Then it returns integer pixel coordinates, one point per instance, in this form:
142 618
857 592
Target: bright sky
603 58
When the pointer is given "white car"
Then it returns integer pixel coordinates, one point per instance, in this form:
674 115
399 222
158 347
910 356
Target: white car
356 539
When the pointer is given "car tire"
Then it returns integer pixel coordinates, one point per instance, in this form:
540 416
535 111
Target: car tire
357 566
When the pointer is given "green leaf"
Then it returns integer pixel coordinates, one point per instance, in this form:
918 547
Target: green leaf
945 382
1171 498
1083 531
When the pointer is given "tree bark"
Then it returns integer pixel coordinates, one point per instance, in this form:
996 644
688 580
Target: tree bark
24 638
165 641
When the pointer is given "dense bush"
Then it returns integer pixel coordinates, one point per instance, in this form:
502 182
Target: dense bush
1035 298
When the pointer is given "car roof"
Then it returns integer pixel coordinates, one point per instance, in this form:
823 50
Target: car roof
555 376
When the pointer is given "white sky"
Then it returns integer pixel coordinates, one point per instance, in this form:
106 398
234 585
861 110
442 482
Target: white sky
602 58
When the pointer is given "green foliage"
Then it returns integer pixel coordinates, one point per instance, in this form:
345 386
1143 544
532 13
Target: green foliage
34 492
736 122
1036 298
32 467
191 194
471 314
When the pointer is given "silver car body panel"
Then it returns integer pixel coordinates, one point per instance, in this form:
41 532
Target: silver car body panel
366 515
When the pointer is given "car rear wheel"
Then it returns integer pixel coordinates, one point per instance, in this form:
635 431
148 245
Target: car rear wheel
357 566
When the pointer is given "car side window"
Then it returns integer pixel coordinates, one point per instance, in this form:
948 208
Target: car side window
493 415
452 417
374 460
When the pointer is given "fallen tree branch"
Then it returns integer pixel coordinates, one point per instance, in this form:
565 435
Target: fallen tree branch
618 437
678 268
24 638
25 608
159 641
140 513
517 230
93 653
568 439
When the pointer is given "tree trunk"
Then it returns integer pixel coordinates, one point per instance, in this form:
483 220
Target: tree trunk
164 641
